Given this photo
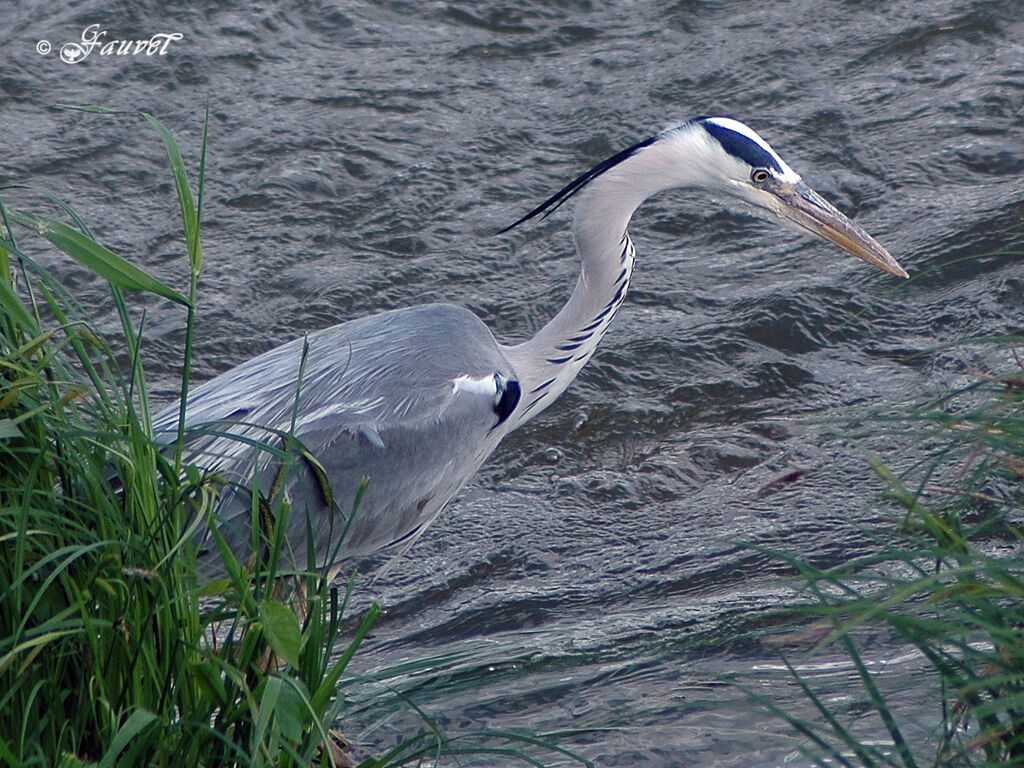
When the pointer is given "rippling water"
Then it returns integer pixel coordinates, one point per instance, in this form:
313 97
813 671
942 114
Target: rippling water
594 576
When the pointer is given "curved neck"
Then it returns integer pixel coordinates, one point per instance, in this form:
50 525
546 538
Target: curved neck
547 363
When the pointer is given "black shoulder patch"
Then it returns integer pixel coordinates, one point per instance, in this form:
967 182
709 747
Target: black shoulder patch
738 145
510 394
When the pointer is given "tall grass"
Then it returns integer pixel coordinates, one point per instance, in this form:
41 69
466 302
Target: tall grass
111 652
947 580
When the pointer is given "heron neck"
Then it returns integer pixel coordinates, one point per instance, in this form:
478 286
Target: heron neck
548 363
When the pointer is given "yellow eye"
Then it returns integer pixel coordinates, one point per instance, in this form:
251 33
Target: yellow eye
759 176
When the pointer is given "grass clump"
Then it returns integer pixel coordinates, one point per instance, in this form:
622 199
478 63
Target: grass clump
111 652
107 655
946 580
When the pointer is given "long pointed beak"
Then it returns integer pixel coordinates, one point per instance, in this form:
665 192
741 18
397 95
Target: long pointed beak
812 213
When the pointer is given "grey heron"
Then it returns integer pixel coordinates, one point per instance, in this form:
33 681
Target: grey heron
416 399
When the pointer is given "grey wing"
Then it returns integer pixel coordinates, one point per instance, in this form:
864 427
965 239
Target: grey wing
411 400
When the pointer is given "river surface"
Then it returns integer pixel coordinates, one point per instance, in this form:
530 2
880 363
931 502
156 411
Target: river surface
595 579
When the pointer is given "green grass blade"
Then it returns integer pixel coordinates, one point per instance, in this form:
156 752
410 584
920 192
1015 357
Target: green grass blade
282 628
189 213
11 306
96 257
139 720
330 682
268 703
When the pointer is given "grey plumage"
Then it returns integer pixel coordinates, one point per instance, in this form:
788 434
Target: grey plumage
415 443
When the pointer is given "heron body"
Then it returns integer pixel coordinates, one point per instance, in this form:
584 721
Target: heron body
417 399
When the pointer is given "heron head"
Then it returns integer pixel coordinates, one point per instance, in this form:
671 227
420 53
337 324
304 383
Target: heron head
741 165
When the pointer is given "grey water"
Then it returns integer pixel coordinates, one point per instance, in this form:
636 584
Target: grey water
597 578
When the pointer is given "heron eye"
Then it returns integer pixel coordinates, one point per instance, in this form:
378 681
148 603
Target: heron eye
759 176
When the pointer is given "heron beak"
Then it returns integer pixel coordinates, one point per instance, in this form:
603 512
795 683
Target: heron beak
812 213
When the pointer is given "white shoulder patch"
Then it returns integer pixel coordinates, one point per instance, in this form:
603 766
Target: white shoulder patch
485 385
